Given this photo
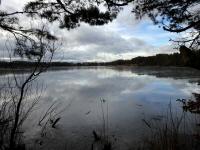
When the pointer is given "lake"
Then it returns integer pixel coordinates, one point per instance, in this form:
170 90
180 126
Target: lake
116 102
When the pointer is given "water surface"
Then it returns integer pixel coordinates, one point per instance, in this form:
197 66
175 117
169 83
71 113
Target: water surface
118 97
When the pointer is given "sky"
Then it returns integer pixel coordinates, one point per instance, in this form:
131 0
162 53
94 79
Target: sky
123 38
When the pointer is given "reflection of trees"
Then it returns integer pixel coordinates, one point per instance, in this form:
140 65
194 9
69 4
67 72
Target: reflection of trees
192 105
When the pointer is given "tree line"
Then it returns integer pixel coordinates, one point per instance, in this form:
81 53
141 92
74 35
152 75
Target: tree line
185 58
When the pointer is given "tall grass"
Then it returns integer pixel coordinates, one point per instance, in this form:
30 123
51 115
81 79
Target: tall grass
174 132
102 138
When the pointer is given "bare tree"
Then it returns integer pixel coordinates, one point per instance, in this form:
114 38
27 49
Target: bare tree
14 109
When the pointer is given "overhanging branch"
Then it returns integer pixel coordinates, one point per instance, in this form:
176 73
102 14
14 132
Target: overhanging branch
112 3
193 24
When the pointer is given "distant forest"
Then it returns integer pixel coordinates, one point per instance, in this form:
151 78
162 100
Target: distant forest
185 58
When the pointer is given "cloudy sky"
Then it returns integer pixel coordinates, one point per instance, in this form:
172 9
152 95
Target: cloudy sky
124 38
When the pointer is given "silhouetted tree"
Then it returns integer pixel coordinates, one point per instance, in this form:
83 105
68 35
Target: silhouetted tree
173 15
37 45
70 12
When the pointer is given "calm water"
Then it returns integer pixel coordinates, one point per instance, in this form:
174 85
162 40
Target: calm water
119 98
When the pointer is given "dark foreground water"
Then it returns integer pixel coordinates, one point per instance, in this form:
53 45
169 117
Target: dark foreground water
112 101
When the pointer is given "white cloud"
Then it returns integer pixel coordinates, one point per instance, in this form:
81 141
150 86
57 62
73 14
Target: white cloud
124 38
